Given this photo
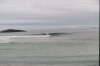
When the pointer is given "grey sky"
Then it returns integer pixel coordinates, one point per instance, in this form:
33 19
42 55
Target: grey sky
49 11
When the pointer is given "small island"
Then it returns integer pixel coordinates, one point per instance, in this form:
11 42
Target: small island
11 30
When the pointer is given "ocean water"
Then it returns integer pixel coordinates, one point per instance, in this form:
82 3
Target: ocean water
78 47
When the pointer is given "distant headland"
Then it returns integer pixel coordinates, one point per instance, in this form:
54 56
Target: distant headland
11 30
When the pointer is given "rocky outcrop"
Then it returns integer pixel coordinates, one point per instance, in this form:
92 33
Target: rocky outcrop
39 34
56 34
11 30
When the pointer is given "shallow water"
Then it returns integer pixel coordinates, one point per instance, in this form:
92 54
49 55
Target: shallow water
80 48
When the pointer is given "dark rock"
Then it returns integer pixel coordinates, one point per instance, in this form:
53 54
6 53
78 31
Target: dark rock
56 34
43 34
11 30
39 34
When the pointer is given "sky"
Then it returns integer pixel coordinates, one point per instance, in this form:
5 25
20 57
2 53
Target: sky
49 12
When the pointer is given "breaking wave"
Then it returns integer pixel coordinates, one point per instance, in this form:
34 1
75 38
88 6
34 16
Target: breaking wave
5 40
8 39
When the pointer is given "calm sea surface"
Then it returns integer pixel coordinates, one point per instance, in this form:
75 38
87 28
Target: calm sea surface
80 47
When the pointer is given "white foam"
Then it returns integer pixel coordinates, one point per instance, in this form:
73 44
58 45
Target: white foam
6 37
5 40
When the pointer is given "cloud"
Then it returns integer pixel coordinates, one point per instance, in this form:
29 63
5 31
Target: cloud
28 10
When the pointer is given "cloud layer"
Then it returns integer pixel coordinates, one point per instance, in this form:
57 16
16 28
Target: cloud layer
41 11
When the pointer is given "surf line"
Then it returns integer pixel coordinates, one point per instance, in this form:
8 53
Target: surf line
8 37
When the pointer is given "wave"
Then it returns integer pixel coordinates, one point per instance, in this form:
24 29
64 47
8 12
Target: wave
3 37
5 40
8 39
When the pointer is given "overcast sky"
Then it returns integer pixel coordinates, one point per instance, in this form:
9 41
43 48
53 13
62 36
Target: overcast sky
49 12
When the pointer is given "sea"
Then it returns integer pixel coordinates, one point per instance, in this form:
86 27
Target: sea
79 46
